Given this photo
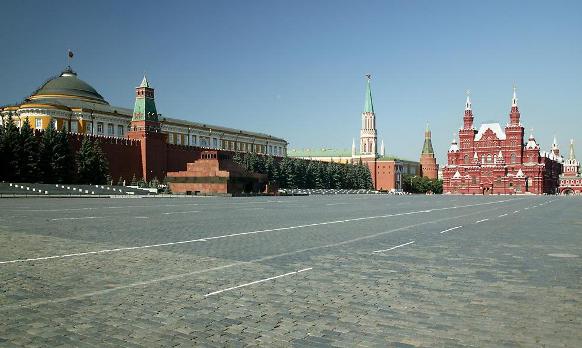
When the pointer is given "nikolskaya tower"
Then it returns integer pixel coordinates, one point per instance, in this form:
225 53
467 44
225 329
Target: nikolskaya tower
368 132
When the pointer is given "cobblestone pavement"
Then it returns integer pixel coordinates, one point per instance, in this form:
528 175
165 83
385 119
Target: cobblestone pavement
344 271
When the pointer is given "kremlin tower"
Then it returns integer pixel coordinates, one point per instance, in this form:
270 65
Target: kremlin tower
145 126
428 165
368 132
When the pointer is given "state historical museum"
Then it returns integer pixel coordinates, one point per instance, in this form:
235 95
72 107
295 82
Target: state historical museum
496 160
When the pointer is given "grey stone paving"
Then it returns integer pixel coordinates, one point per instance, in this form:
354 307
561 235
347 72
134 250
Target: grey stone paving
513 279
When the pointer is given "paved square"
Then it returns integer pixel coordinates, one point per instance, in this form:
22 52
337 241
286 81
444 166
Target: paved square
339 271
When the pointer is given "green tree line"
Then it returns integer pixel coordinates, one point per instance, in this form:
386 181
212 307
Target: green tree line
306 174
418 184
49 158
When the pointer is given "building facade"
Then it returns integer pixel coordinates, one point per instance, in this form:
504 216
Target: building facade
571 179
497 160
71 103
136 142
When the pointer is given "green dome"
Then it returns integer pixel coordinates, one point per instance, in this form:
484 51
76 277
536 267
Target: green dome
67 84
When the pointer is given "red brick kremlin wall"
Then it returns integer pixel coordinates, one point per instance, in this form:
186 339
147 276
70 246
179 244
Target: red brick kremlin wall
123 155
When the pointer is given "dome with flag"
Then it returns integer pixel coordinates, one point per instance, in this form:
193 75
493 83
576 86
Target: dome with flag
68 85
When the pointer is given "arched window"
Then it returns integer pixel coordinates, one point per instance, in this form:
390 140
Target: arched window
489 158
466 159
512 158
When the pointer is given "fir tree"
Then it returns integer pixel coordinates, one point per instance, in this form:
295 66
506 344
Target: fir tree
319 180
85 159
310 172
46 154
2 150
369 183
92 166
237 157
11 149
101 165
133 181
63 160
28 156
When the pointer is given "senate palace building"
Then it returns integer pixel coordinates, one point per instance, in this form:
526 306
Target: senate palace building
71 103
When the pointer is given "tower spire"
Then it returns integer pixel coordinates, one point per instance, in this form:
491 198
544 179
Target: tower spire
468 118
368 106
144 82
368 133
382 149
427 147
514 99
572 155
514 114
468 106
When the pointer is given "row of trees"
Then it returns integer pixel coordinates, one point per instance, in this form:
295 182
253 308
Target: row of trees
419 184
299 173
48 158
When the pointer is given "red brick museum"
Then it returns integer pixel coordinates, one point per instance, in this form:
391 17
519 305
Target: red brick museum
496 160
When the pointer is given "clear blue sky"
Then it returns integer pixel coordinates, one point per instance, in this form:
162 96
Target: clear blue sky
295 68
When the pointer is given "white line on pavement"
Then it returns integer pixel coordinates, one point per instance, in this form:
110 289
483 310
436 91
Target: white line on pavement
239 234
181 212
450 229
238 263
142 217
515 212
479 221
153 206
330 204
78 218
394 247
112 207
502 215
257 282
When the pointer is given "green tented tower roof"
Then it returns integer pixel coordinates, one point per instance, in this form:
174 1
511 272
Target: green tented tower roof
427 147
145 105
369 106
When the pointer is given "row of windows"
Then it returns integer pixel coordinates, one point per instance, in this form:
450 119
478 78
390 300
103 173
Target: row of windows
488 159
110 129
212 142
571 182
100 129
